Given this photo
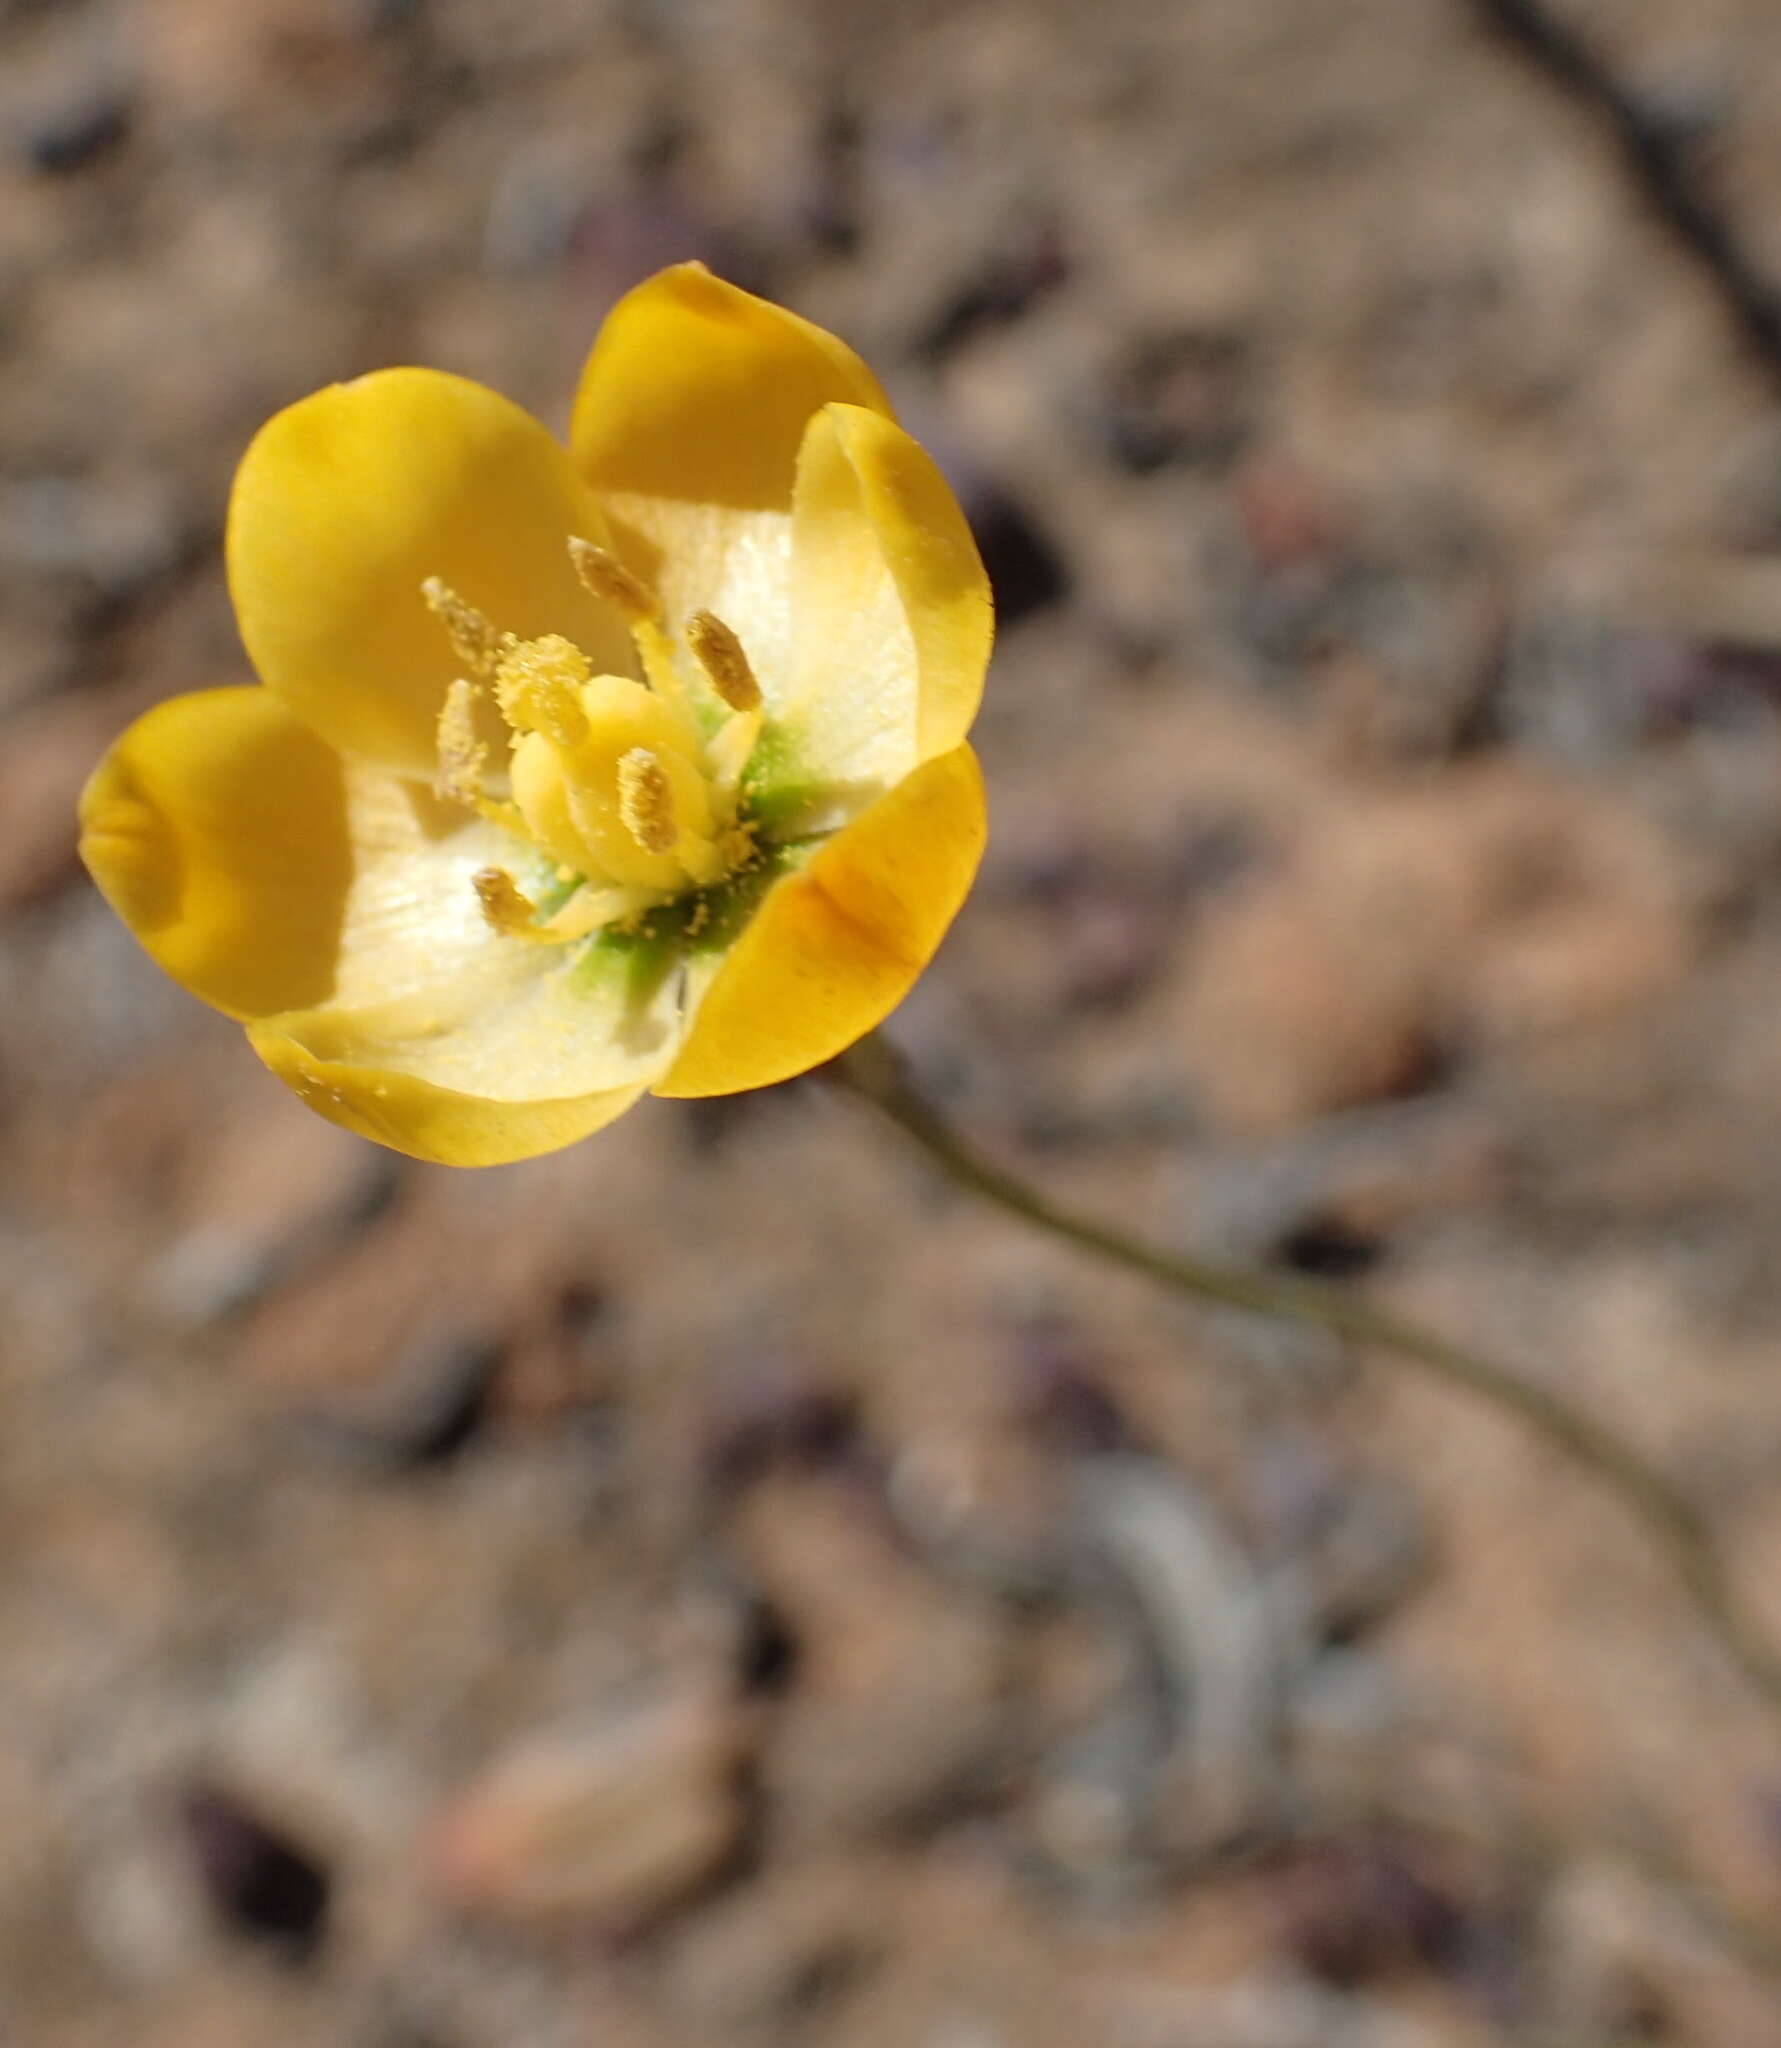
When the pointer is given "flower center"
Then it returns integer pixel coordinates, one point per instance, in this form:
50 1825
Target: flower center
630 789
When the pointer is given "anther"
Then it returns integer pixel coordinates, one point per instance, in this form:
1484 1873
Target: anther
461 754
538 687
646 801
606 577
504 904
506 908
474 639
721 656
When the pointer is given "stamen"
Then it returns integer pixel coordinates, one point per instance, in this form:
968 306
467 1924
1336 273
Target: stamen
729 750
462 756
475 640
592 908
607 577
538 687
638 605
722 658
646 801
506 908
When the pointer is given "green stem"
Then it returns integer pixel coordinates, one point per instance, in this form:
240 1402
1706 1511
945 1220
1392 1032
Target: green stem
874 1071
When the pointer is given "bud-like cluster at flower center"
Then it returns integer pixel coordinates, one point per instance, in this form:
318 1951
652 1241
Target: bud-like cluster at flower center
631 791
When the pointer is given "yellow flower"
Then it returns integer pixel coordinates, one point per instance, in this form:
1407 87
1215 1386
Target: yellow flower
574 774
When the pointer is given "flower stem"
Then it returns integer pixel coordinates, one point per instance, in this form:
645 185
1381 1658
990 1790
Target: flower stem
876 1072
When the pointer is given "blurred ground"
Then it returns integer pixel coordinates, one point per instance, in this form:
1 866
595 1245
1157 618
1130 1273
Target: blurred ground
716 1586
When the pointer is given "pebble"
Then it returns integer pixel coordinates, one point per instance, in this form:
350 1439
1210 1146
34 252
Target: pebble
1358 1909
765 1417
434 1407
86 127
900 1709
1181 397
1026 567
1029 263
1219 1642
608 1828
259 1880
1291 1017
778 1954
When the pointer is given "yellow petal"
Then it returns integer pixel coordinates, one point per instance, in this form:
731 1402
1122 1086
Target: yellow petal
265 873
699 391
216 827
688 422
525 1049
891 618
334 910
836 946
347 501
426 1121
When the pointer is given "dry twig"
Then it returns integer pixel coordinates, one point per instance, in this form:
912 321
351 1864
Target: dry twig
1663 163
874 1071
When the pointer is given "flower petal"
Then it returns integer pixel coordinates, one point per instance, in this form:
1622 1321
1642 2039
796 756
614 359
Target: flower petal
347 501
891 615
525 1049
265 873
689 418
699 391
216 829
426 1121
836 946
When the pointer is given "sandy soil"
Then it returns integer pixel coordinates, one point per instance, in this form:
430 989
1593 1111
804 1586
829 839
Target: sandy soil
717 1585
